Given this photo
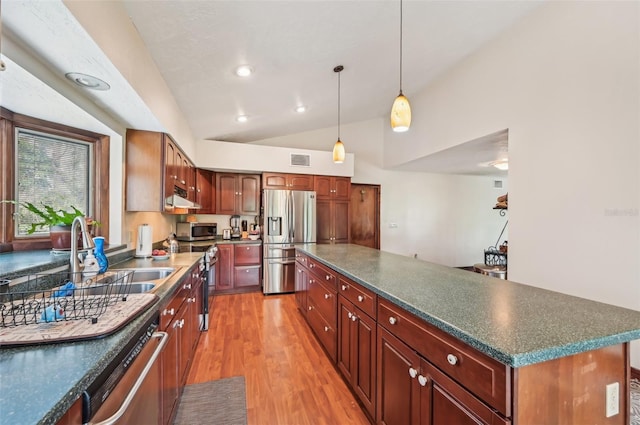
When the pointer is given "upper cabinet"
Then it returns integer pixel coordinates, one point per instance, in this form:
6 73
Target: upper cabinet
237 194
156 169
330 187
287 181
205 191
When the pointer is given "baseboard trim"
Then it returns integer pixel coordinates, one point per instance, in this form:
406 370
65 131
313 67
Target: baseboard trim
635 373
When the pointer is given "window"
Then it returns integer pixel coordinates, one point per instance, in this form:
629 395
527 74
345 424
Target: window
50 163
50 170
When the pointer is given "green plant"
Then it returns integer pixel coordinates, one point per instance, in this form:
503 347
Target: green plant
50 216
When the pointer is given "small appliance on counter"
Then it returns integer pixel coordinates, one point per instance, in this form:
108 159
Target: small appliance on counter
226 234
144 244
234 222
194 231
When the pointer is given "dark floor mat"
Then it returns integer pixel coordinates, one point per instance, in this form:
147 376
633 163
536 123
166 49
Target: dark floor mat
220 402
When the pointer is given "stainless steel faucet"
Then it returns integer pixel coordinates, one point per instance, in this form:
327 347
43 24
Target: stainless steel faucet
87 243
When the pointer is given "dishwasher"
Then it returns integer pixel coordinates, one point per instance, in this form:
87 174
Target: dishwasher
128 391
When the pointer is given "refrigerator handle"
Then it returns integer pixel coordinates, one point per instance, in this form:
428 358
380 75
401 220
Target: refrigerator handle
292 215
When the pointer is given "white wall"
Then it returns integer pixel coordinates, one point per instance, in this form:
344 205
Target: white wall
565 82
442 218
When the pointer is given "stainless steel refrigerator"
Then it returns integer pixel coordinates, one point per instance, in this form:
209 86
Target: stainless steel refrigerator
289 217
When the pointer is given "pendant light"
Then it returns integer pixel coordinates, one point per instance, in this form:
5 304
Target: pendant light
401 110
338 148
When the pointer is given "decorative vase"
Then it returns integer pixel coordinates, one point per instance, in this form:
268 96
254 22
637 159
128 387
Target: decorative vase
98 252
60 237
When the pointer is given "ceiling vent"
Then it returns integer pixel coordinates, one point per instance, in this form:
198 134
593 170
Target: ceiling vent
497 184
300 160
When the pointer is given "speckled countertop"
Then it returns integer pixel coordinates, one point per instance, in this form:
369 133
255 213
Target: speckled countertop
38 384
516 324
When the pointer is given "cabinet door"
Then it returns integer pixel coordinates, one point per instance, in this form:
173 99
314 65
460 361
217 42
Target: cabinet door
342 188
322 185
249 195
191 181
179 167
444 401
341 221
357 352
274 181
301 288
324 221
226 193
300 182
170 370
398 398
184 336
246 276
170 168
205 184
247 254
224 267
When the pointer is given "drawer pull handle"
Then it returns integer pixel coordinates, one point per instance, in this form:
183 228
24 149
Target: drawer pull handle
349 314
327 277
169 312
360 298
326 328
354 318
423 380
393 320
453 360
327 296
310 308
311 266
186 286
247 271
344 287
412 372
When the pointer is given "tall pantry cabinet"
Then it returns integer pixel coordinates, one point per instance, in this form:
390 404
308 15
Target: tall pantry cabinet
332 208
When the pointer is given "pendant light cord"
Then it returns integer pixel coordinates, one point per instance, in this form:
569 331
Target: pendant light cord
338 69
400 46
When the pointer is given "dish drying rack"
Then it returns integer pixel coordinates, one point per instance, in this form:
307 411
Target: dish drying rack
52 297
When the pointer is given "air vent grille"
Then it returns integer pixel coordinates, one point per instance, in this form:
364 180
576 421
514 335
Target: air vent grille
497 184
300 160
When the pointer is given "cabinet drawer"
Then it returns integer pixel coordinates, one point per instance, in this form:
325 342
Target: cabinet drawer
487 378
323 273
247 254
324 300
246 276
323 330
361 297
169 312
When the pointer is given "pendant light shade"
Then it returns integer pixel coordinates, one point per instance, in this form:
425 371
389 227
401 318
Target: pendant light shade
338 152
338 148
401 110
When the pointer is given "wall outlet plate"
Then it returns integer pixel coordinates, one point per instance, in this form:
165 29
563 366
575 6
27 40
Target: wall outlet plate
613 399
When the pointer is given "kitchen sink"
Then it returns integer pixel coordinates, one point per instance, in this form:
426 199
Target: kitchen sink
148 273
117 289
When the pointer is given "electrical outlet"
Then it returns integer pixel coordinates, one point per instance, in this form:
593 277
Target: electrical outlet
613 399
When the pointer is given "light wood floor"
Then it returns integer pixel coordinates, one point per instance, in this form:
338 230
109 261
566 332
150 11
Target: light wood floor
289 379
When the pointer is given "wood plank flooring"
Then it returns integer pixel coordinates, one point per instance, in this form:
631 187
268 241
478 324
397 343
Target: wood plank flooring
289 378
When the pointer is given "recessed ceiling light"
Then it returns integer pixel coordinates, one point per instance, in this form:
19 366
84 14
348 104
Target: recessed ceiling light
242 118
300 109
88 81
244 71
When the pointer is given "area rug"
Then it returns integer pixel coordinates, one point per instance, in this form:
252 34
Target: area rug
635 402
219 402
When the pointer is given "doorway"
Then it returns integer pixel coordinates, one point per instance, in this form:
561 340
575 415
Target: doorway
365 215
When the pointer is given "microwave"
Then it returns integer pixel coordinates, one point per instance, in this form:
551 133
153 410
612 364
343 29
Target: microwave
196 231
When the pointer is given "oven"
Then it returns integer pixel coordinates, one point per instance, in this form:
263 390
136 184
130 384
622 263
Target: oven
210 253
128 391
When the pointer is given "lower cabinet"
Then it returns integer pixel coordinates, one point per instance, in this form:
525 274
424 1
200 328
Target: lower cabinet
301 288
239 267
413 391
179 318
357 352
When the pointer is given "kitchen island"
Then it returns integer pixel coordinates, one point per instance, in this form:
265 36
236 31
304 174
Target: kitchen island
39 383
520 343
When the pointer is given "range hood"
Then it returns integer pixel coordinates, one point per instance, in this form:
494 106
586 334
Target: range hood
179 200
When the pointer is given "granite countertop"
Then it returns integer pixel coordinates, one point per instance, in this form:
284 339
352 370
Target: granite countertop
39 383
514 323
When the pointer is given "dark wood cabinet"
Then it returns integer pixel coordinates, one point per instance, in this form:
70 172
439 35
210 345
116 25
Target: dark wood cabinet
356 357
301 288
239 267
237 194
205 191
332 187
287 181
155 166
332 222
